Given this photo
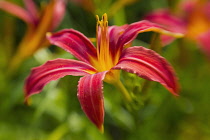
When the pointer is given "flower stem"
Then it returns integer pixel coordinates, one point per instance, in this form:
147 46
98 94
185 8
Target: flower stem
59 132
155 43
123 90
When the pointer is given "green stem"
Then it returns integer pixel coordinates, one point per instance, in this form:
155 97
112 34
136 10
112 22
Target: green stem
173 4
119 17
184 56
155 43
59 132
123 90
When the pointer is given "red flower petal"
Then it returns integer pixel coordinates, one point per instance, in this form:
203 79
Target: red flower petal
53 70
148 65
16 11
75 43
138 27
91 97
114 33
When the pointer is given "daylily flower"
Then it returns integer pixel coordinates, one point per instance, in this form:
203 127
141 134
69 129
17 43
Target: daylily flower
102 63
192 19
38 23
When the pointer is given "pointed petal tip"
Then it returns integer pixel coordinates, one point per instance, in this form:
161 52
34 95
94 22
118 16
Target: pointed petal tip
175 91
48 34
90 95
101 129
27 101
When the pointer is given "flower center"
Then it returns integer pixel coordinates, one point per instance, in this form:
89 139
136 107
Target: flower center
105 61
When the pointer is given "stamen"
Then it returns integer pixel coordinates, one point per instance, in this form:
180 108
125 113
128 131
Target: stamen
103 52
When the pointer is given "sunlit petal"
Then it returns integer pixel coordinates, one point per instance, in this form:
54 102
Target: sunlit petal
148 65
75 43
53 70
91 99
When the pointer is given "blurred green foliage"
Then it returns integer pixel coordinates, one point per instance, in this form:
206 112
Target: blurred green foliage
55 114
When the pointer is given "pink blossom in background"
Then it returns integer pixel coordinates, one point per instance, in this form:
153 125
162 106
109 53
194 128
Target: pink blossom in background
192 19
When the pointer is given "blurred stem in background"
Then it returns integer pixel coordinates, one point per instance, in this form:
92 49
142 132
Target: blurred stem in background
59 132
119 5
155 43
113 8
7 40
172 4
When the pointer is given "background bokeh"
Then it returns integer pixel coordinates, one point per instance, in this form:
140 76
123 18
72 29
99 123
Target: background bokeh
55 114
